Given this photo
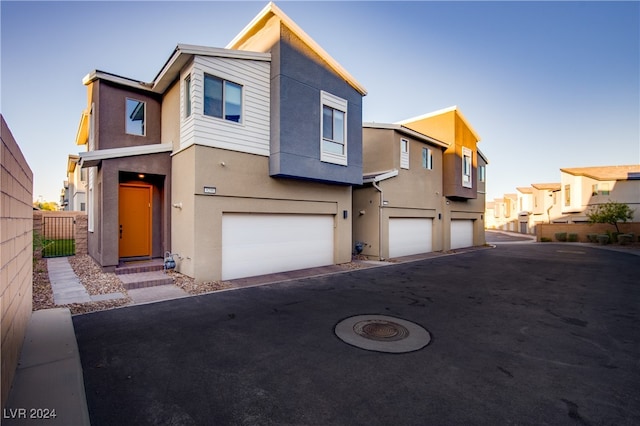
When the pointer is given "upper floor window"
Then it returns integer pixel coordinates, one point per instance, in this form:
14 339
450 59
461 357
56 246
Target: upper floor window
222 99
427 158
187 96
404 153
333 126
567 195
600 189
482 174
135 117
466 168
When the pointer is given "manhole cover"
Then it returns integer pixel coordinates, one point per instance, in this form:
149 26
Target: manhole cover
382 333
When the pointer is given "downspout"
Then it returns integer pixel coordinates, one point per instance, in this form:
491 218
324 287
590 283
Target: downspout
375 185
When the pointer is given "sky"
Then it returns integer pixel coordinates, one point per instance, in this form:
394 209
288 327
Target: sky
546 85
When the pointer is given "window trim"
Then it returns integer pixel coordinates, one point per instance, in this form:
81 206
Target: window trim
188 102
224 96
467 178
404 153
427 158
332 101
144 118
482 174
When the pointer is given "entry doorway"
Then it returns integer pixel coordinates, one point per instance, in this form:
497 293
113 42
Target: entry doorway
135 219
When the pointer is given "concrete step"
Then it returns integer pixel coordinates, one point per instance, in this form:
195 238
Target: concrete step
141 266
145 279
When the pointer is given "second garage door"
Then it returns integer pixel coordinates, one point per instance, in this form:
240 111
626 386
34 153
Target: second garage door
409 236
257 244
461 233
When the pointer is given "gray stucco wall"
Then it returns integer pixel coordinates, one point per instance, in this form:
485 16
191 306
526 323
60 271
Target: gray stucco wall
298 77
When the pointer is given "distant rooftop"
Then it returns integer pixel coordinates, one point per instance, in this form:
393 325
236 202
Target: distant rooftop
606 172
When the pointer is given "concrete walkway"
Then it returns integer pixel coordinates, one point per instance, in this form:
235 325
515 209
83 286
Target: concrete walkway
66 285
49 375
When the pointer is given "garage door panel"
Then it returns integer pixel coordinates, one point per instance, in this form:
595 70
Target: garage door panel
409 236
256 244
461 233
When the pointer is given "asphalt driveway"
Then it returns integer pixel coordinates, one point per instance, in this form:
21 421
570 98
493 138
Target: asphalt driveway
521 334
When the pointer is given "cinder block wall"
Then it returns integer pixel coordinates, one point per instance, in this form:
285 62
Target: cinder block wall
16 254
545 230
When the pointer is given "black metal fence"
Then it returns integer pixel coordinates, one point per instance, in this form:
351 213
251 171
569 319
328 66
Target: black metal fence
58 236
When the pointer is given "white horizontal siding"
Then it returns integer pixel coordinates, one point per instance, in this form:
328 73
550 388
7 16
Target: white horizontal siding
252 135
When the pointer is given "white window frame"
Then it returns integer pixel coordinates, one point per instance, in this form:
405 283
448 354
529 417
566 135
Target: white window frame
427 158
337 103
467 168
404 153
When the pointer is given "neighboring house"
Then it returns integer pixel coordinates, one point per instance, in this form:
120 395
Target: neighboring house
546 203
239 160
586 187
503 212
73 196
463 178
525 209
398 210
424 187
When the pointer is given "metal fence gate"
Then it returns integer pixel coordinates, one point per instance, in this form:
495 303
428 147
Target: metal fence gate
58 236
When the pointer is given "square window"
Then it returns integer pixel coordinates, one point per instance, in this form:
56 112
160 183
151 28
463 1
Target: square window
135 117
333 128
222 99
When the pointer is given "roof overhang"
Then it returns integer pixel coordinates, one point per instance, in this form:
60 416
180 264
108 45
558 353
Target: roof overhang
82 135
272 10
94 158
440 112
72 161
407 131
379 176
181 56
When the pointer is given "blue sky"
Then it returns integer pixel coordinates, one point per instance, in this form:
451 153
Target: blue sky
545 84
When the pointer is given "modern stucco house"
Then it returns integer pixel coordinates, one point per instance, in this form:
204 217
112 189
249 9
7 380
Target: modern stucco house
73 196
583 188
240 160
423 186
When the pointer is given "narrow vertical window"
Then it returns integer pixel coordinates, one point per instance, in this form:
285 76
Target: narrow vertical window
466 168
567 195
482 173
187 96
404 153
427 158
333 129
135 117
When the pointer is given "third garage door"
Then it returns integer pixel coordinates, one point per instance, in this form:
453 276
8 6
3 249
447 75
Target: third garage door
409 236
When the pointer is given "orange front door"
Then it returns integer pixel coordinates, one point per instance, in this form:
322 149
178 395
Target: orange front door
134 211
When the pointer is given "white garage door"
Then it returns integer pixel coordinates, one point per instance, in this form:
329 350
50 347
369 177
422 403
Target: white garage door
409 236
257 244
461 233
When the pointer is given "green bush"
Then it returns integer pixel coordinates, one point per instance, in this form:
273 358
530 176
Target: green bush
572 238
561 236
592 238
613 237
545 240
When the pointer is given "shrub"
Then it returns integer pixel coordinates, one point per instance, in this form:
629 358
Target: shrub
561 236
573 238
545 240
592 238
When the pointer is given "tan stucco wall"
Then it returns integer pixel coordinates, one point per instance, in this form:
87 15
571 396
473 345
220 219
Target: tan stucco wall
242 185
16 254
379 152
170 116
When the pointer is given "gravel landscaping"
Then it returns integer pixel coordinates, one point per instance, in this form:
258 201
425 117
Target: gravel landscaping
97 282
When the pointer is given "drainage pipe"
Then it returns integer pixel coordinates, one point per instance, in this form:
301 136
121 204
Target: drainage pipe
375 185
